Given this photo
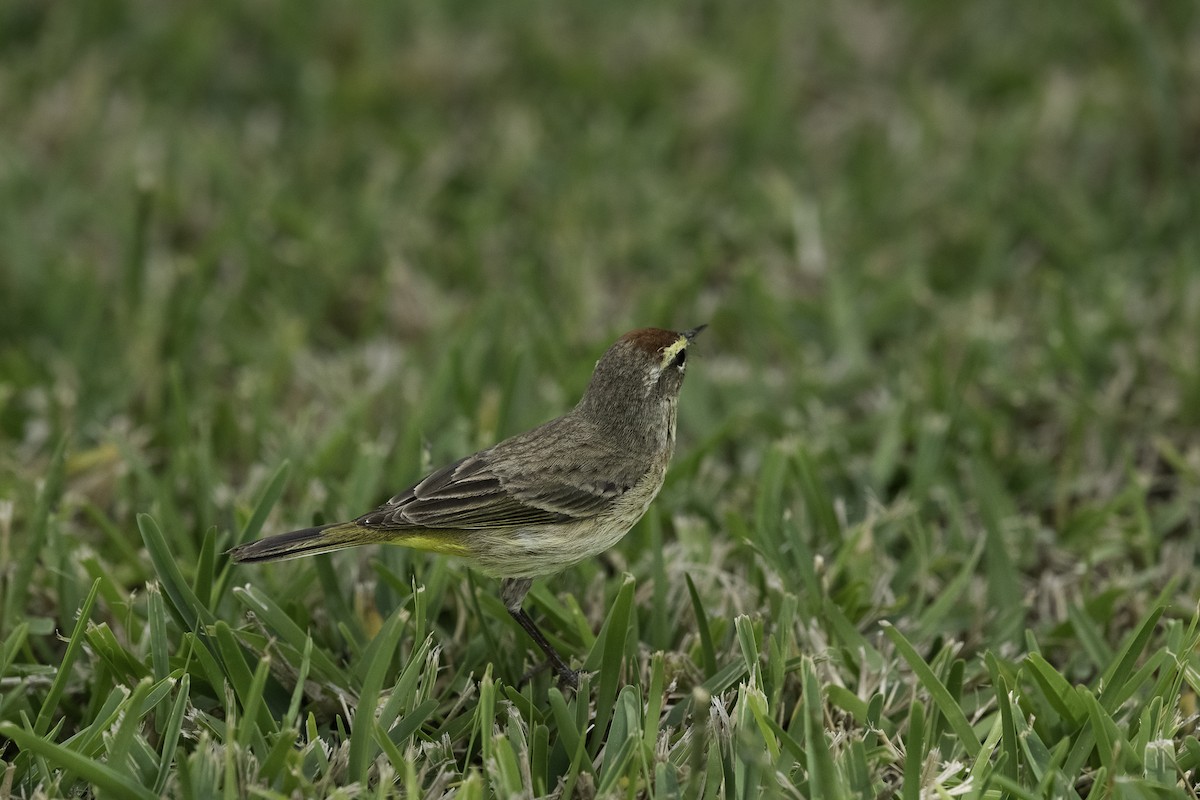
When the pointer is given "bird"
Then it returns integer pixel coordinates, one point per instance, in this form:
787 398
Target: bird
541 501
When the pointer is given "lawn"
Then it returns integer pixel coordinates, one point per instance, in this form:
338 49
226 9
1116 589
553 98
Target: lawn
931 528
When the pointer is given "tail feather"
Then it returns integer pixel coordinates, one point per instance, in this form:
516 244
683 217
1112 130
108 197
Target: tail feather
306 542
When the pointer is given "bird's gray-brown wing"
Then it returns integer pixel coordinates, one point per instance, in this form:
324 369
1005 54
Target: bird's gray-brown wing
515 484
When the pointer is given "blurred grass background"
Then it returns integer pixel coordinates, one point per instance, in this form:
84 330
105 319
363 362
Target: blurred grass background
950 260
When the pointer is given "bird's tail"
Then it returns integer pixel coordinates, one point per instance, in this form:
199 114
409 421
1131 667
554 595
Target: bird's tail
306 542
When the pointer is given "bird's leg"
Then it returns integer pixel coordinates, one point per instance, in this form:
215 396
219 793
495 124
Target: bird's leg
565 673
512 592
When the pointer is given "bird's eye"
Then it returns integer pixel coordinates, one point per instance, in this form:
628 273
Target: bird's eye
680 359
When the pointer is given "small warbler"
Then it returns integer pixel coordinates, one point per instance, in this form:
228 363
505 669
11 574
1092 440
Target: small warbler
543 500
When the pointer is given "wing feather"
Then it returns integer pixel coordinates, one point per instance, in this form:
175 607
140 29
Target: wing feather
486 490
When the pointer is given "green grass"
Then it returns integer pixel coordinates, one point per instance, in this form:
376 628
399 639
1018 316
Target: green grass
932 525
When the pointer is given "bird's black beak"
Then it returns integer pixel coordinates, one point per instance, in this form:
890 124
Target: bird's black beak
689 335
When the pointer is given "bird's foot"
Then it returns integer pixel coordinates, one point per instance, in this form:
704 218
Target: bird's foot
569 678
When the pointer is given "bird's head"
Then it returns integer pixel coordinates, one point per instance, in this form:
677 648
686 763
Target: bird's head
636 382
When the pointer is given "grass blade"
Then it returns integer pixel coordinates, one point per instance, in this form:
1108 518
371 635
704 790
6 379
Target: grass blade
379 655
941 696
608 655
50 704
18 577
116 782
187 608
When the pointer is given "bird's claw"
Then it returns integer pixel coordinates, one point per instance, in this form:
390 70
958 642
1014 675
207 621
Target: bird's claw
569 678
